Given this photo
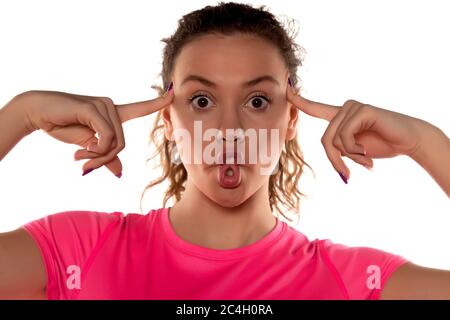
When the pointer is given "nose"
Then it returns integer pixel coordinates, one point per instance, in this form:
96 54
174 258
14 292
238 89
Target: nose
231 122
231 135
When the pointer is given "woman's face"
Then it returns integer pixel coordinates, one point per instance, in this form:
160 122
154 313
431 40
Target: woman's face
214 92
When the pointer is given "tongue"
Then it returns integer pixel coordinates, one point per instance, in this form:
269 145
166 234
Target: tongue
229 181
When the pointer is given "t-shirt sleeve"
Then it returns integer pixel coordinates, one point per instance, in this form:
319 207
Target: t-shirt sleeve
361 272
67 240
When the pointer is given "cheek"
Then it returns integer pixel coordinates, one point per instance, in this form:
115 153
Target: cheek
275 116
274 122
280 118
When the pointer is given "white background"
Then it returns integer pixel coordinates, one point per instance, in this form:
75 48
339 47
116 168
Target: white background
393 55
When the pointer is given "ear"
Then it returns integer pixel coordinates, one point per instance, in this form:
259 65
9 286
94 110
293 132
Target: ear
292 125
168 128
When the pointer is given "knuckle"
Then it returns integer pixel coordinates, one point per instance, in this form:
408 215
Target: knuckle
350 102
367 108
106 140
95 102
342 134
107 100
336 142
117 148
346 147
88 105
100 104
121 146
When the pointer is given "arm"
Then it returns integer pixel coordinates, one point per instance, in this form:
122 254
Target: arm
22 271
77 119
390 134
14 124
411 281
434 155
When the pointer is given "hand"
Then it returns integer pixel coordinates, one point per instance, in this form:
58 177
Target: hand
362 132
76 119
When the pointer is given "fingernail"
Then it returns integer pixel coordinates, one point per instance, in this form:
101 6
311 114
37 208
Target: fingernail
119 175
87 171
170 86
362 153
289 81
343 177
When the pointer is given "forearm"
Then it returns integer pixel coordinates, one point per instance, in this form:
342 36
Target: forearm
14 124
434 155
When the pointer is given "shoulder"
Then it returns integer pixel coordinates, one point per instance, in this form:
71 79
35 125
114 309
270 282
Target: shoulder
88 221
72 238
66 223
361 272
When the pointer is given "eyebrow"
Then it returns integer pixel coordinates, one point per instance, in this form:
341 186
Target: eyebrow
250 83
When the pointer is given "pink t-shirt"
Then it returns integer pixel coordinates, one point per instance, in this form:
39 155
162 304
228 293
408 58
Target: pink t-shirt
98 255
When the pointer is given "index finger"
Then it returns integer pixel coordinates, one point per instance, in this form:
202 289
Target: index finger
139 109
312 108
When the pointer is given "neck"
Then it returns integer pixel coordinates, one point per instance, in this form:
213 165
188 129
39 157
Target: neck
199 220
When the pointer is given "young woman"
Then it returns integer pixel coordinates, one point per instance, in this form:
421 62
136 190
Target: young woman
230 66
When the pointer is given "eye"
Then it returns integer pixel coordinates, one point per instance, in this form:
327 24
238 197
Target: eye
200 101
259 102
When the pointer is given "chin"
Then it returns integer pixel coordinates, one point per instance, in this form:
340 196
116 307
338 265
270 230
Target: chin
228 203
227 198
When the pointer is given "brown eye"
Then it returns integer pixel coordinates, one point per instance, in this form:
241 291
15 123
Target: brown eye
259 102
200 102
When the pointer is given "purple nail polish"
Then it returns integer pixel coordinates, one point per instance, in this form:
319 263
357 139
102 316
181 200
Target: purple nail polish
119 175
170 86
87 171
343 177
289 81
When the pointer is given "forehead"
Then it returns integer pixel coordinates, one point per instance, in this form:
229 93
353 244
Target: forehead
229 57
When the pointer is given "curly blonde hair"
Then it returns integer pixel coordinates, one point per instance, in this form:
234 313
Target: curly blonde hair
229 18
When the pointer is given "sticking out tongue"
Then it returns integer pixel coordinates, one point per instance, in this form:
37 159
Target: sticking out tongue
229 175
